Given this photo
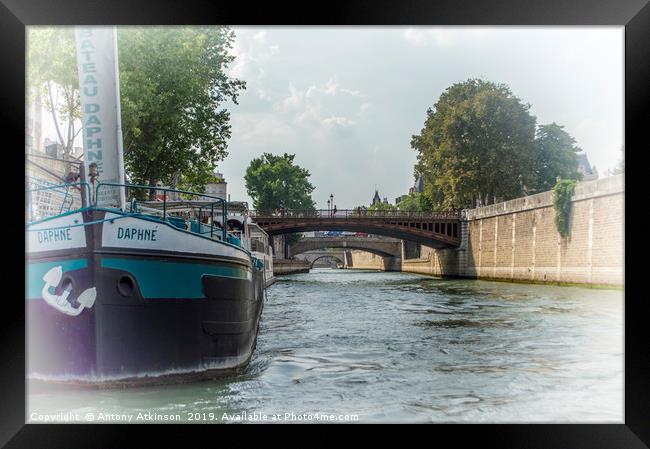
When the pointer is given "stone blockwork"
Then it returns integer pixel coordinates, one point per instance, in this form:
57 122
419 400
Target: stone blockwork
384 246
518 240
368 261
289 266
313 256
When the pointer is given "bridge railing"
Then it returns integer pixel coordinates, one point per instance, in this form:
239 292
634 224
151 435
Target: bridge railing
346 214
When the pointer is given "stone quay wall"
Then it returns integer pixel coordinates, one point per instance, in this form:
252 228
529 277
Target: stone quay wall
367 261
290 266
517 240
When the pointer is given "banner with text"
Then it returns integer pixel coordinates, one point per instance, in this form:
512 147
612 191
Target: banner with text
100 110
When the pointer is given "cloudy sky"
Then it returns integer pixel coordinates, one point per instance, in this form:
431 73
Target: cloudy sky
346 100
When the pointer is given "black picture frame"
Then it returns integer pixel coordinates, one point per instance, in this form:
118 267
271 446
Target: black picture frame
633 14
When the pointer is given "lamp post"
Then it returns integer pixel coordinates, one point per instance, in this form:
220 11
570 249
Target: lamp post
332 201
328 207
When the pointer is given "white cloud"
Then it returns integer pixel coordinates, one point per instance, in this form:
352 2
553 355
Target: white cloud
443 36
261 127
354 93
251 53
333 121
348 100
414 36
320 105
601 143
260 36
331 86
262 94
426 36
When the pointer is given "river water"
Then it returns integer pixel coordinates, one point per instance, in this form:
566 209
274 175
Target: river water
363 346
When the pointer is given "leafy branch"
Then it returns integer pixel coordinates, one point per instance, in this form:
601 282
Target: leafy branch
562 193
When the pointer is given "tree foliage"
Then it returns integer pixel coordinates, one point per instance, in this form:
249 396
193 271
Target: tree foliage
173 86
275 182
476 144
480 144
562 193
556 156
415 202
382 206
52 75
293 238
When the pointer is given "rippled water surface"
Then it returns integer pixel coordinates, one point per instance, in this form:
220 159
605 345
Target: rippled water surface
398 347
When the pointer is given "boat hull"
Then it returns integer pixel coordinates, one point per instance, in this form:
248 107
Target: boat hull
157 315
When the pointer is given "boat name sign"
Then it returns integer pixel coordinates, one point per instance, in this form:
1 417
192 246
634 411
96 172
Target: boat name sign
136 234
57 234
132 232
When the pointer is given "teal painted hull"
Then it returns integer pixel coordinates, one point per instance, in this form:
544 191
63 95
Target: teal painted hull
168 279
157 316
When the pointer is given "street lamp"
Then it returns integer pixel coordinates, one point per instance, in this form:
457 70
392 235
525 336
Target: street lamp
332 200
328 206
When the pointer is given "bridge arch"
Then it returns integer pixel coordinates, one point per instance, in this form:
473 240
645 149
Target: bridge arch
329 256
436 230
380 247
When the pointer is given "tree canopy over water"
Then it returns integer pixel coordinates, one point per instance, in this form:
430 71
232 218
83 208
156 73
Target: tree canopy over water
275 182
479 144
173 85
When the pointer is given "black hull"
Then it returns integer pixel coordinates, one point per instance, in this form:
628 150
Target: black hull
132 334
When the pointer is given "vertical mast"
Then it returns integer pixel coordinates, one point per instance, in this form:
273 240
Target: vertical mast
100 111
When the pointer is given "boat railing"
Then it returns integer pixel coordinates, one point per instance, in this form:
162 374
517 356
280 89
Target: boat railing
45 199
207 209
55 199
135 208
238 238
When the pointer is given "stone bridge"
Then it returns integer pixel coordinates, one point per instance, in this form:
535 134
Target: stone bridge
313 256
382 246
434 229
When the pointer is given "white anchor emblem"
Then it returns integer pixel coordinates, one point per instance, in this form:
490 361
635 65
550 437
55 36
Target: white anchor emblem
60 302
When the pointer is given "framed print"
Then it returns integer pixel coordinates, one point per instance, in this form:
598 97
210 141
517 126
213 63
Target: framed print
397 214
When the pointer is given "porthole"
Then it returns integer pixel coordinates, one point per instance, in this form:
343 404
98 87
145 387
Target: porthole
126 286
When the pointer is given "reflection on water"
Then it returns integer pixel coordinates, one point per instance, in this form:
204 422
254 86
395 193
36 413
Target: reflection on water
399 347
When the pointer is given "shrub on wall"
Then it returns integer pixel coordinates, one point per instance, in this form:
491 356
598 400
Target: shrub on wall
562 193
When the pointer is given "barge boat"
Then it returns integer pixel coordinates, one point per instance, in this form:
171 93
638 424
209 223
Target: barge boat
160 291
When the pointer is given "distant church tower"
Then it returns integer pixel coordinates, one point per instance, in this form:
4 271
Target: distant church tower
418 187
376 199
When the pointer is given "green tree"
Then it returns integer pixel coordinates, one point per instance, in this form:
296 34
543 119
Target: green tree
415 202
293 238
173 86
562 193
382 206
556 156
52 75
275 182
477 144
